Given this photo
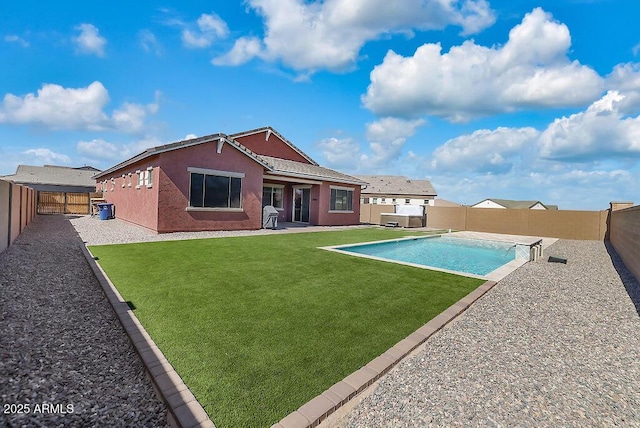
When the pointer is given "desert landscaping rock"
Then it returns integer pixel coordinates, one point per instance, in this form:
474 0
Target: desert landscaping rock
550 345
64 355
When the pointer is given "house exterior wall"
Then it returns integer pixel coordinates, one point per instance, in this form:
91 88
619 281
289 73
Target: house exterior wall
327 218
174 182
624 235
274 146
133 203
286 212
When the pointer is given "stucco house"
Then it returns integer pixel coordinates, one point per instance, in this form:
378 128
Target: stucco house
511 204
222 182
397 190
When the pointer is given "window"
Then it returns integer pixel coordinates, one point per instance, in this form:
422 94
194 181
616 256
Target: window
149 177
407 201
272 195
342 199
140 179
124 180
393 200
130 179
113 184
215 189
374 201
383 201
426 202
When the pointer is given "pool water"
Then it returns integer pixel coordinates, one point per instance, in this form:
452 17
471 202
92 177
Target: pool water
456 254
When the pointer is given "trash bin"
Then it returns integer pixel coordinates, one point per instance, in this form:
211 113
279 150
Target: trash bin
105 211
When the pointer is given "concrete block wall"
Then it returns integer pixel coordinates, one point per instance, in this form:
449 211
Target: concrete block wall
624 235
17 209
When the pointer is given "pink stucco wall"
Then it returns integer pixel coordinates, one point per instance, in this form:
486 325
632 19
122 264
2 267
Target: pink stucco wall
325 218
174 190
273 147
138 205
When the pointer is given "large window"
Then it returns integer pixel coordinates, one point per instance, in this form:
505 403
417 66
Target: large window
342 199
215 189
272 195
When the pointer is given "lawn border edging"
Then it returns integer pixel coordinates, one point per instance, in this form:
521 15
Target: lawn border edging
184 410
313 412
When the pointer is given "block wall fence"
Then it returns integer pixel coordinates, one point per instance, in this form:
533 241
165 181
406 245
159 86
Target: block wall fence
17 209
624 236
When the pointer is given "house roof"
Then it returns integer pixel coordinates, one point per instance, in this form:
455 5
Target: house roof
269 129
396 185
275 165
439 202
54 175
509 203
303 170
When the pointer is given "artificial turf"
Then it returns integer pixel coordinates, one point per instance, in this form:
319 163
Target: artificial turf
257 326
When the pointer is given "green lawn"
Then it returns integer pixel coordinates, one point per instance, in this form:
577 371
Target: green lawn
256 326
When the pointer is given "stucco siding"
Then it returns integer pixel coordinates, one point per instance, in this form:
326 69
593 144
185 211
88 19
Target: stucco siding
274 146
327 218
174 190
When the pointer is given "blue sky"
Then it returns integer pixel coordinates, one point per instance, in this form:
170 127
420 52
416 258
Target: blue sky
488 99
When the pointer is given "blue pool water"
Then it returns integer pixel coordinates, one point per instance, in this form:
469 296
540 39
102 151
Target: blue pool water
457 254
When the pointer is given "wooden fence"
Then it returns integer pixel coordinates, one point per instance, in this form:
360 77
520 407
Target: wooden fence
63 203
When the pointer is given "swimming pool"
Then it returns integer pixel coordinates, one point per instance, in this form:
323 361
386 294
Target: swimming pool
472 256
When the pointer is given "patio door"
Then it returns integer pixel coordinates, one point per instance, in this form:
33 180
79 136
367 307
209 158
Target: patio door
301 198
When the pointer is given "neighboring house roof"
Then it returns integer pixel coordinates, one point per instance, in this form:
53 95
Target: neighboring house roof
512 204
303 170
396 185
54 175
269 129
274 165
439 202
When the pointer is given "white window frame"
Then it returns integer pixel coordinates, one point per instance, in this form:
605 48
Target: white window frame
148 177
140 178
348 189
124 180
275 186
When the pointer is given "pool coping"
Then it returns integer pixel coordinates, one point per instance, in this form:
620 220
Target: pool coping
184 410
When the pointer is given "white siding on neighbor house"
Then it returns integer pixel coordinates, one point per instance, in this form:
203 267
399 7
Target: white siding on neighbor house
538 206
396 201
487 204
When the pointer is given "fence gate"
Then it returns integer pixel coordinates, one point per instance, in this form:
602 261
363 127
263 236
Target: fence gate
63 203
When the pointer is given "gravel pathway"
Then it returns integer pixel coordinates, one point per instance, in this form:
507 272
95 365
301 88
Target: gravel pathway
94 231
64 358
550 345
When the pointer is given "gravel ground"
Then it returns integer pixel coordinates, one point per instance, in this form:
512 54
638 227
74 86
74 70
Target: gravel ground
64 356
94 231
550 345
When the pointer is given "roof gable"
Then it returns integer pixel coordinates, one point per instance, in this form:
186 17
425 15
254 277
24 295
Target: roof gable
269 142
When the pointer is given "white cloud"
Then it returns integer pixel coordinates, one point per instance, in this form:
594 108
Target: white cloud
210 27
636 49
309 36
46 156
625 78
244 49
387 137
485 150
340 152
531 70
150 43
56 107
600 131
12 38
89 40
98 149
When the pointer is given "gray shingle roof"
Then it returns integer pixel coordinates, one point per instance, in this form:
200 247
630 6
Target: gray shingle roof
54 175
396 185
304 170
